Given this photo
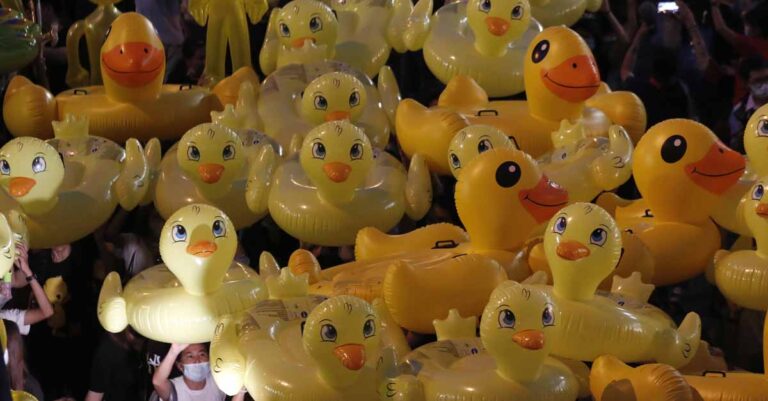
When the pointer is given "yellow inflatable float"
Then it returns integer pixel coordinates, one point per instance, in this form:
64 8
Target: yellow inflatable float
133 101
296 98
484 39
510 360
583 245
94 30
181 300
339 184
7 246
561 82
45 182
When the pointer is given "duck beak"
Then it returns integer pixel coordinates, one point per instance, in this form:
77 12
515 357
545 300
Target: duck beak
497 26
352 356
20 186
718 170
299 42
762 210
210 173
337 171
572 250
574 80
543 200
133 64
529 339
202 249
336 116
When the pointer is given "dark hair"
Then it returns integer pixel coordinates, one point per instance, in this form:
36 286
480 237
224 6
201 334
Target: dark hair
750 64
664 64
17 365
207 347
757 17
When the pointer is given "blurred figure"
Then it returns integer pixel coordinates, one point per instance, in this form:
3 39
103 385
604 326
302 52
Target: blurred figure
24 318
165 15
20 378
754 72
118 365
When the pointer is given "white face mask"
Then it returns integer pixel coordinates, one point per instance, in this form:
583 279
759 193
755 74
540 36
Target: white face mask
197 372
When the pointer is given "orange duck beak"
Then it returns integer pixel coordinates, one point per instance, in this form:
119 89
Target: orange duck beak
572 250
352 356
497 26
202 249
543 200
718 170
337 171
574 80
210 173
20 186
529 339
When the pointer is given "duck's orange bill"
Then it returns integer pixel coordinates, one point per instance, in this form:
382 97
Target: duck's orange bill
543 200
299 42
337 171
762 210
20 186
718 170
337 116
574 80
497 26
529 339
352 356
133 64
210 173
572 250
202 249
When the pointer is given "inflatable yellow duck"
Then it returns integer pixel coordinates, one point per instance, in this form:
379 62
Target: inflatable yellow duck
340 184
678 160
360 33
583 245
45 182
562 12
133 100
296 98
473 140
281 352
484 39
94 29
210 165
181 300
510 360
58 294
7 246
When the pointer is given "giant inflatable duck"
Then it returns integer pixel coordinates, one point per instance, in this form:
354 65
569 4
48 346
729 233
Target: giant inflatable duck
93 28
561 82
133 101
46 183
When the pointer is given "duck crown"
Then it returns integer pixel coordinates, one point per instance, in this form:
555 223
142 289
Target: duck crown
71 126
287 285
454 326
568 134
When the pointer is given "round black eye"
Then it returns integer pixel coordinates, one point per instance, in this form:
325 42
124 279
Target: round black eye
315 24
284 30
328 333
356 152
547 316
318 150
484 6
762 127
193 153
517 12
508 174
5 167
673 149
228 153
369 328
507 319
598 237
484 145
758 192
354 99
540 51
455 162
321 103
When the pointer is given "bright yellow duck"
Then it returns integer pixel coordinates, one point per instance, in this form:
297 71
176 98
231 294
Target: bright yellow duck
583 245
511 363
181 300
210 165
473 140
94 29
133 100
677 161
561 82
484 39
296 98
360 33
44 182
340 184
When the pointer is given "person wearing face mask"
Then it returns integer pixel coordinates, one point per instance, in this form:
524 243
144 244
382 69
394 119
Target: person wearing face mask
754 72
24 318
195 383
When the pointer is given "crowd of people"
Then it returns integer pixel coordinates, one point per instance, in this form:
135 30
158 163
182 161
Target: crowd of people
707 62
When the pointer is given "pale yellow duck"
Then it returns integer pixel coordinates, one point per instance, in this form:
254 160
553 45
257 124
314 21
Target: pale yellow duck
7 246
94 29
58 294
339 184
210 165
360 33
484 39
45 182
583 245
181 300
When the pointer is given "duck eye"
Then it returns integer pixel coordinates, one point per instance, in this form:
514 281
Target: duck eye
455 162
38 164
321 103
356 152
179 233
598 237
318 150
369 328
228 153
484 145
284 30
5 167
508 174
757 193
560 224
517 12
193 153
315 24
674 149
328 333
484 6
506 319
540 51
354 99
548 316
762 127
219 228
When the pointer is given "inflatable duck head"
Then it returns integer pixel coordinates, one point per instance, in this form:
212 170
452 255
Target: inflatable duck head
473 140
583 246
681 169
342 335
31 171
513 329
333 96
560 73
307 20
336 156
756 140
496 23
198 243
212 156
7 246
501 196
756 213
132 59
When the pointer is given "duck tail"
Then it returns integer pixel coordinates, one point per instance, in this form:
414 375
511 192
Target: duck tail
622 108
611 380
418 26
372 243
682 346
228 364
28 109
112 309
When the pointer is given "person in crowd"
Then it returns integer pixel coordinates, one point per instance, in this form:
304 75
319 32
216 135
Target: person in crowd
20 378
165 15
24 318
117 368
195 383
134 249
753 71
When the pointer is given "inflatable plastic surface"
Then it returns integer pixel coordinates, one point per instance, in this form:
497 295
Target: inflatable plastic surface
20 40
133 101
7 246
562 12
93 29
473 140
181 300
